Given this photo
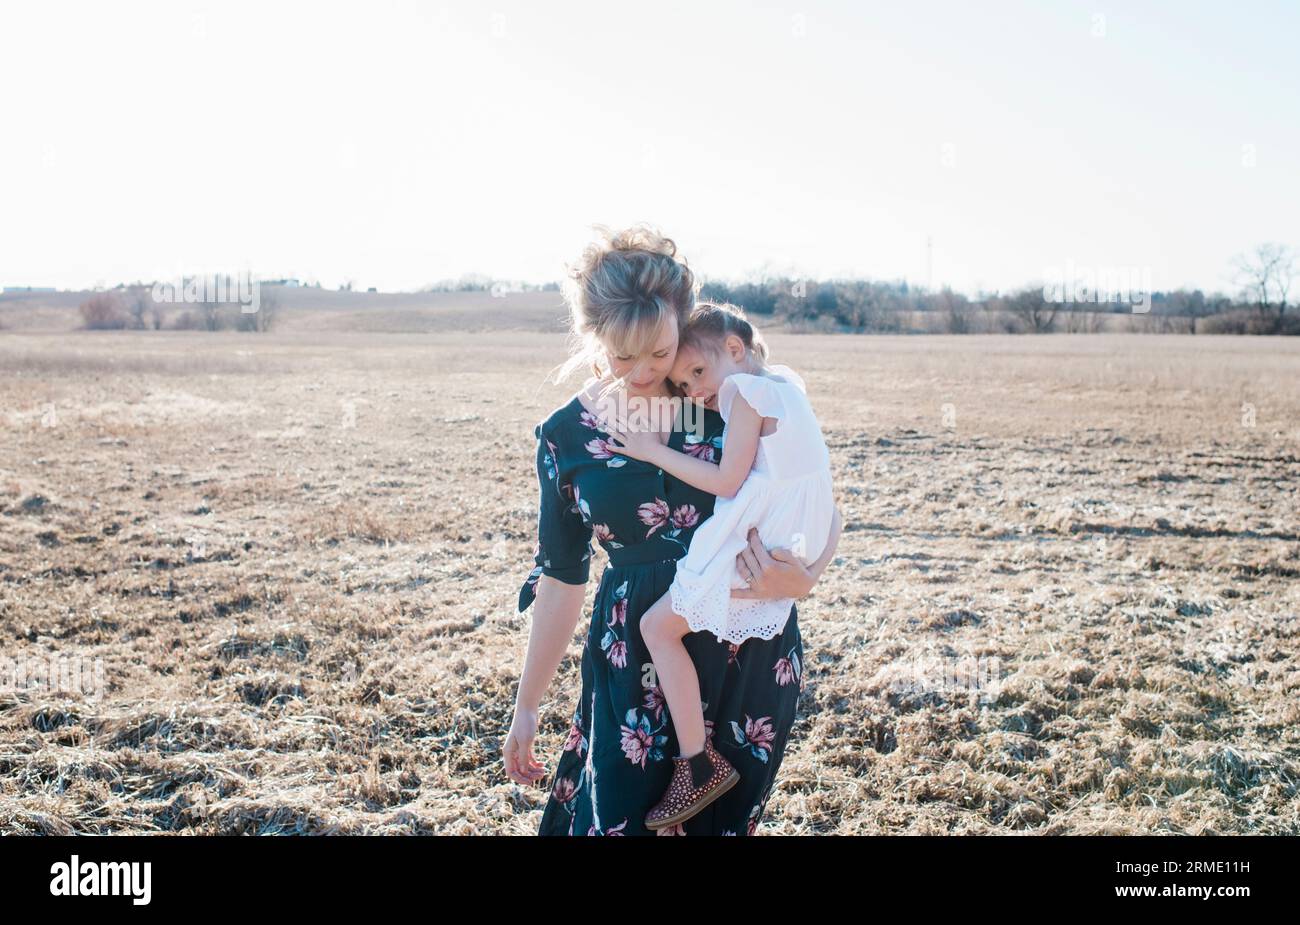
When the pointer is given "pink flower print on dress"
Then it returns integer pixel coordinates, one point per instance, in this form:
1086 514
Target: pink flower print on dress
654 514
685 516
733 649
619 613
576 742
639 741
788 669
655 702
618 654
600 449
615 649
757 736
564 790
702 449
636 745
616 830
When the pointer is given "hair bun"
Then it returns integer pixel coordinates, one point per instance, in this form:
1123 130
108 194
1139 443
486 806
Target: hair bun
640 237
621 290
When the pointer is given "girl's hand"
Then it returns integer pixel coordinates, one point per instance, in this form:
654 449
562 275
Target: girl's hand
771 575
638 444
521 764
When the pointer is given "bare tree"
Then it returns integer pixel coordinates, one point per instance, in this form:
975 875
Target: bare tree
210 315
138 303
1081 319
1030 306
1181 308
956 312
103 311
1265 276
269 313
265 317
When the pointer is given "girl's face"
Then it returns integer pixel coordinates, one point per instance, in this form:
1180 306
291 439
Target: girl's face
646 373
699 374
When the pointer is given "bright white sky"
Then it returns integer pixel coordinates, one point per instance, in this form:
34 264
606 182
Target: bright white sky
395 144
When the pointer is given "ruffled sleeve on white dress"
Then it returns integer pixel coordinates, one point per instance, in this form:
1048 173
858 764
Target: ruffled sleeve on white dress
758 391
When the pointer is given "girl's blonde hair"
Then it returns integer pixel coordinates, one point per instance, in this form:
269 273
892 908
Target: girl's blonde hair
711 322
621 292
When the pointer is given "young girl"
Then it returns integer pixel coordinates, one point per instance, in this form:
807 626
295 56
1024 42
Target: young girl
774 475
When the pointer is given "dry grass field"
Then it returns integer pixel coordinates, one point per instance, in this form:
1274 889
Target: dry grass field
297 556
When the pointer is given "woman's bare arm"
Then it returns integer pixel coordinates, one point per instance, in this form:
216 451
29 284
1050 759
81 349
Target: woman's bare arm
555 616
556 610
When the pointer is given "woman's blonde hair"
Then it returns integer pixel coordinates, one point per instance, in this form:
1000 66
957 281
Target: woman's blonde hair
710 323
620 292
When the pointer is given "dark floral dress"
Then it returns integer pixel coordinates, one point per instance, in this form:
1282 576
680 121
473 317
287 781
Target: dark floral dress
616 761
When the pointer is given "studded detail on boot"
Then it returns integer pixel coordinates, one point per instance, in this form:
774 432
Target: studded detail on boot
697 781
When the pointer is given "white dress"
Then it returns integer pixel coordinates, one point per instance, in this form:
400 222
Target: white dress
787 495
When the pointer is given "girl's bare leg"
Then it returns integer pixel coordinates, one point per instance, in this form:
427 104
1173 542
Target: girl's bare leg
662 631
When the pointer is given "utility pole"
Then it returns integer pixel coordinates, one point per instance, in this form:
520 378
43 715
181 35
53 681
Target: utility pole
929 263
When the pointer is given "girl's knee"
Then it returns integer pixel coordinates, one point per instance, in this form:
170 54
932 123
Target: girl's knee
652 627
657 627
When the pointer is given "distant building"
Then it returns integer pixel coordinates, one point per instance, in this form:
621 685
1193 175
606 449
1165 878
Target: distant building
288 283
9 289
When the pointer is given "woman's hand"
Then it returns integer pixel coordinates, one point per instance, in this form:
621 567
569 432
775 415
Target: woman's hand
771 575
521 764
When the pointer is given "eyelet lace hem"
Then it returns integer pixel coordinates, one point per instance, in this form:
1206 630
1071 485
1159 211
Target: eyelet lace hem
731 620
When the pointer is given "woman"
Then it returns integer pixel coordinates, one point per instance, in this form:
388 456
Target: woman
629 295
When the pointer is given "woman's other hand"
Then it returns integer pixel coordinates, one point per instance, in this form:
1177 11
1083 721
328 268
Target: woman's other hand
521 764
774 574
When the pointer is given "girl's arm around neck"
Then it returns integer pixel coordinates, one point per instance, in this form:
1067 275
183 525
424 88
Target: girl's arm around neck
724 479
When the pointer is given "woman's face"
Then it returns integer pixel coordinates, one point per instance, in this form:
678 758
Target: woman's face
646 373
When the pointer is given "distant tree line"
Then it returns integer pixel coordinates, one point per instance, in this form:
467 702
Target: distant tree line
477 282
1264 278
132 307
1260 306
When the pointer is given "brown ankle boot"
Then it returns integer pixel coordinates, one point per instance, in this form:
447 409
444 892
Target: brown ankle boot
697 781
